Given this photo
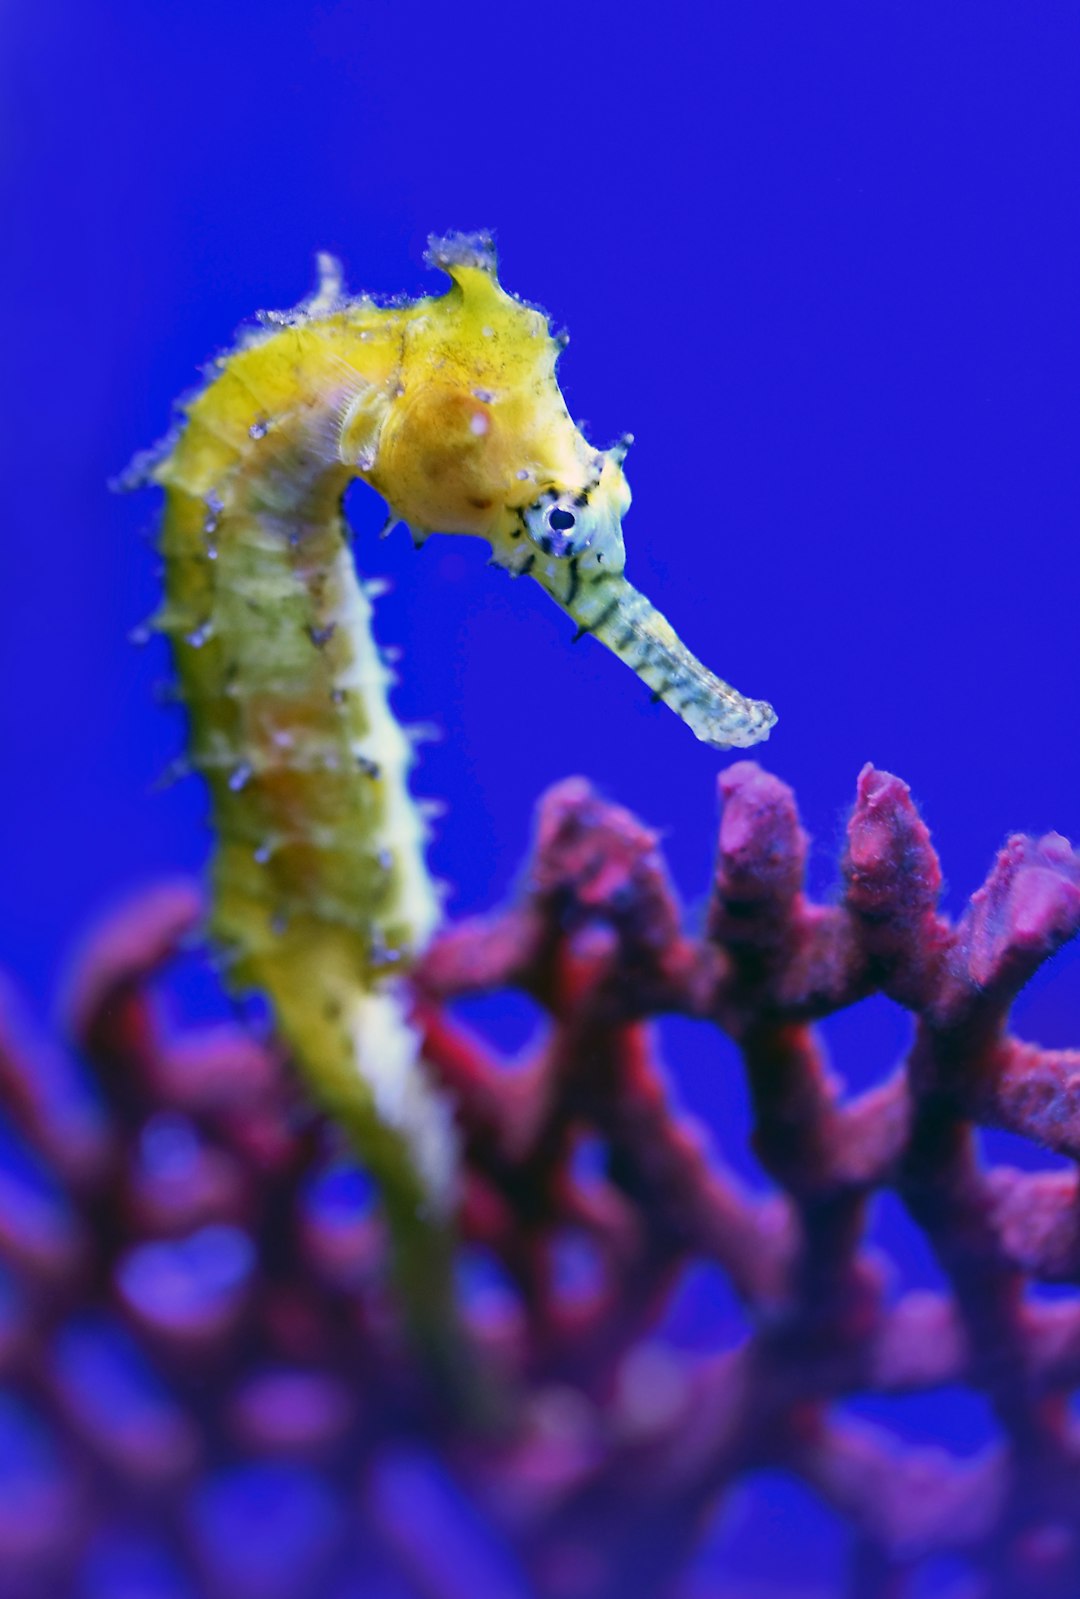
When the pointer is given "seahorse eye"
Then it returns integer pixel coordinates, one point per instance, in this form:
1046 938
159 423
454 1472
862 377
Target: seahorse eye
557 530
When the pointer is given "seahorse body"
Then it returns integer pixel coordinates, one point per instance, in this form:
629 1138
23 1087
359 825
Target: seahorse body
449 408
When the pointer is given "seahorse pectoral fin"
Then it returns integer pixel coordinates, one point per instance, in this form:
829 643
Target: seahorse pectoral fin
361 426
612 610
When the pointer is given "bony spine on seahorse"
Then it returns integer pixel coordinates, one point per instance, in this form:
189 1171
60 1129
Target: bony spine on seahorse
449 408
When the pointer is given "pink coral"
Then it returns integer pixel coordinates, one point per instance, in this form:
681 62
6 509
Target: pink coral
205 1376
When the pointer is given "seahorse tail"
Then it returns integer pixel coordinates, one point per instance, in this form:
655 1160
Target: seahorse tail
361 1060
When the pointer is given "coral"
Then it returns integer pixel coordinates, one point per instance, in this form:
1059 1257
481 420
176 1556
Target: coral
206 1390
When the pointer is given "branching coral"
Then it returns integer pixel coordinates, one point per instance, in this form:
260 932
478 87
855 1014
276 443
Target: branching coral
205 1378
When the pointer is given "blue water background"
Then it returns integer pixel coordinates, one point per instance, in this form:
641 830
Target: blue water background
821 260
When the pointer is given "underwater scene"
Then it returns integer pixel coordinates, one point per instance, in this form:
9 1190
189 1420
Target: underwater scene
539 998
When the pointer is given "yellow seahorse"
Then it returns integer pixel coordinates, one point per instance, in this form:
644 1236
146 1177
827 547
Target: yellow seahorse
449 408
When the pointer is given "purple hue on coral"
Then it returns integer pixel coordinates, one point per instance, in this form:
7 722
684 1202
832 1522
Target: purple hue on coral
207 1387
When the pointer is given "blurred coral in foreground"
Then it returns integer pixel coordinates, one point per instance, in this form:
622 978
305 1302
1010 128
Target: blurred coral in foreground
205 1389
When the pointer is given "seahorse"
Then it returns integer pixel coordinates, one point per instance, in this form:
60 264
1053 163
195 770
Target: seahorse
449 408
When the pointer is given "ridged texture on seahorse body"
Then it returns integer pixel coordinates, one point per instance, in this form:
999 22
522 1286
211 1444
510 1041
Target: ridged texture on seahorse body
449 408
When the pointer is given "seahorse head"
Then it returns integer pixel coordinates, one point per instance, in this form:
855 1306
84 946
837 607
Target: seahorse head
477 437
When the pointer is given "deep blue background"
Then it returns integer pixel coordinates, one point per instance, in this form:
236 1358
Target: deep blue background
821 260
